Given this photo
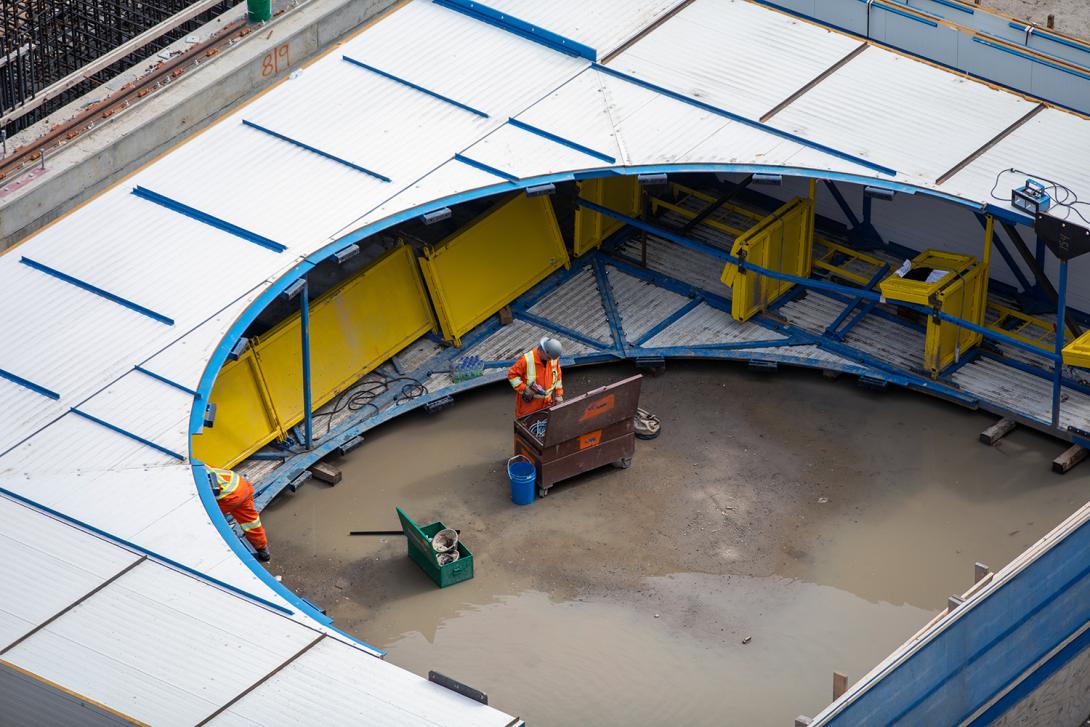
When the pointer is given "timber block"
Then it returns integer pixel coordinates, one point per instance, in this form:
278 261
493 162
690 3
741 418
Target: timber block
325 472
997 431
1075 454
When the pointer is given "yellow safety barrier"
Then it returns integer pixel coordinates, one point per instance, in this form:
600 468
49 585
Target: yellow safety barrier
354 327
783 241
496 258
1077 353
1021 326
961 292
621 194
843 262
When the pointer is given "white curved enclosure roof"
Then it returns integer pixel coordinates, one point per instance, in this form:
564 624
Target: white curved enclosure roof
112 314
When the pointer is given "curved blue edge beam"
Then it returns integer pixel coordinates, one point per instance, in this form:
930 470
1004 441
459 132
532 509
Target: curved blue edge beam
219 355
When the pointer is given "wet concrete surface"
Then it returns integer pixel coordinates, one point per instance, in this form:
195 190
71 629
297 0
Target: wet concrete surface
783 526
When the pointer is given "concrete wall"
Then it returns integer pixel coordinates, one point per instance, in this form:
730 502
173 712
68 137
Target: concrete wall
133 137
1062 700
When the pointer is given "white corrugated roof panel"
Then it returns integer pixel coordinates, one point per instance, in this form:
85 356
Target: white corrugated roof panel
735 55
604 25
45 565
579 111
146 407
161 646
330 685
184 360
523 154
903 114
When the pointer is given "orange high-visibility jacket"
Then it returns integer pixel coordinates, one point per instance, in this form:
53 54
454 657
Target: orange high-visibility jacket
236 498
531 368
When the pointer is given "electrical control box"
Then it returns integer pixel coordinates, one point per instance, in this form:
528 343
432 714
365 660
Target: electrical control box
1031 198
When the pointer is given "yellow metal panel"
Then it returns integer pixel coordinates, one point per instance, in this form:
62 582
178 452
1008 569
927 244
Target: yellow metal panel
1077 353
354 327
496 258
915 291
621 194
245 421
783 241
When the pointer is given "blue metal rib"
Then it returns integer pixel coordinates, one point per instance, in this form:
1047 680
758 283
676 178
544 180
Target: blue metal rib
485 168
416 87
535 33
316 150
561 140
196 214
96 290
28 385
127 433
164 379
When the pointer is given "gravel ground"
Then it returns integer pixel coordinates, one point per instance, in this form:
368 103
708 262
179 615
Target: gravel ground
1072 16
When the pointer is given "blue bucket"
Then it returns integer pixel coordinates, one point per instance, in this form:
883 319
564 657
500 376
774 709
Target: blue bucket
522 474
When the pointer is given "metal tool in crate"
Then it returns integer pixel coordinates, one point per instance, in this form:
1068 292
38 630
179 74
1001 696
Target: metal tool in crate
437 550
581 433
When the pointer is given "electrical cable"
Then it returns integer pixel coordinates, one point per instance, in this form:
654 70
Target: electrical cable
1069 200
363 395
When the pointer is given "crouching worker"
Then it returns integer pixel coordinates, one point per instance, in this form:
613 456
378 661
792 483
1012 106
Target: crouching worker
235 496
535 377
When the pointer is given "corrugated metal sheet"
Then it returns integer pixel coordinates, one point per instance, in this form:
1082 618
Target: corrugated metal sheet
1022 391
577 304
640 305
918 119
705 325
329 685
45 565
132 639
734 54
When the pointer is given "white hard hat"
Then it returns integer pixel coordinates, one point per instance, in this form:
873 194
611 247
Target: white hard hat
551 347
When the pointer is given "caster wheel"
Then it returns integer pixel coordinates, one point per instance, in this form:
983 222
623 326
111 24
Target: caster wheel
542 492
623 463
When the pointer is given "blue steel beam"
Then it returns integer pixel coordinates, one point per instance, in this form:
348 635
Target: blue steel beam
561 140
1061 329
517 26
26 384
485 168
997 242
164 379
616 328
127 433
831 329
820 285
97 291
668 321
562 330
304 329
416 87
196 214
316 150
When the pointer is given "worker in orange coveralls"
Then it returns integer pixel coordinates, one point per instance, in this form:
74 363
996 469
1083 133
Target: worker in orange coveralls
535 377
235 496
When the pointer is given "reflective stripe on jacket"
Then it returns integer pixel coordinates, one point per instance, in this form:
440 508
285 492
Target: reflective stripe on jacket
228 481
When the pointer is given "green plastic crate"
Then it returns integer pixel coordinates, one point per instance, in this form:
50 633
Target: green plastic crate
420 550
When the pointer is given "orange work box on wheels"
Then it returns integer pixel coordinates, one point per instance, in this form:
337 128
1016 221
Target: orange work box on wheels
580 434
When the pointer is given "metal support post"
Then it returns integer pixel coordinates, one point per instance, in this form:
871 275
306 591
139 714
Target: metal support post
1057 379
304 318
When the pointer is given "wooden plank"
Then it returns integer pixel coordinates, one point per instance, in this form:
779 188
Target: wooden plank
840 684
1062 464
325 472
997 431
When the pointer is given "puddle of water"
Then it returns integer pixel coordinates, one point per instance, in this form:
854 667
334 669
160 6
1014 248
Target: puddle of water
825 522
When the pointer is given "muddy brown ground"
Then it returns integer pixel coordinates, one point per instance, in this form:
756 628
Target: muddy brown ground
822 521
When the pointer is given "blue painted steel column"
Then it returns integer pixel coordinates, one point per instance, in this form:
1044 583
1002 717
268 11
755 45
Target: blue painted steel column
304 317
1061 328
